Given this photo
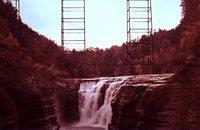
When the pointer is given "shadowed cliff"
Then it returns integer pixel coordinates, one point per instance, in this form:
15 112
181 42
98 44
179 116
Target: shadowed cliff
31 65
27 74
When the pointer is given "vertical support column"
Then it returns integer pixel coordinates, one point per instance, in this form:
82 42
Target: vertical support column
16 4
84 27
62 25
73 32
183 9
139 23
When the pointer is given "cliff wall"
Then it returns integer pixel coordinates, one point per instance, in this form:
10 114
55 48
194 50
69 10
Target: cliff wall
67 106
174 105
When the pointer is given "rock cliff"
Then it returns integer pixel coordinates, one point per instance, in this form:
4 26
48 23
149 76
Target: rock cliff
67 106
172 104
138 101
26 86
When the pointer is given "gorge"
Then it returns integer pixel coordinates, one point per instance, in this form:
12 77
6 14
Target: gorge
98 98
46 88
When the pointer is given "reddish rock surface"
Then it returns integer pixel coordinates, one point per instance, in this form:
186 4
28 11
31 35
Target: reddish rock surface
174 104
138 101
67 105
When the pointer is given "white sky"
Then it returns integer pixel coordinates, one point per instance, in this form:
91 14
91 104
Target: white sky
105 19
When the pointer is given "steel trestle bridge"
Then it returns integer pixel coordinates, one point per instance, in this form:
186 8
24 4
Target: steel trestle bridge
139 23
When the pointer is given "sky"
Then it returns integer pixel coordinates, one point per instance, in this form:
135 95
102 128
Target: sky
105 19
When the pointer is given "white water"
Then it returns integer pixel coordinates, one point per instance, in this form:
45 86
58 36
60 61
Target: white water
92 115
89 95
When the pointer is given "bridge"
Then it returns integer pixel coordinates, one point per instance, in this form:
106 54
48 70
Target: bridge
139 23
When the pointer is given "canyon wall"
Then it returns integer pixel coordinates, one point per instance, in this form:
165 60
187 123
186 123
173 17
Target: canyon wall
25 108
138 102
172 105
67 106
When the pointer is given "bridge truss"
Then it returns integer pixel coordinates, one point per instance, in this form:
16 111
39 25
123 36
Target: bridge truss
139 23
16 4
183 8
73 32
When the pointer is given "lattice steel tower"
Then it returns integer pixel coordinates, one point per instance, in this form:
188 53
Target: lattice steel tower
183 9
16 4
139 23
73 23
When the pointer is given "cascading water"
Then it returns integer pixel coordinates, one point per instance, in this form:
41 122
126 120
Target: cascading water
95 96
95 99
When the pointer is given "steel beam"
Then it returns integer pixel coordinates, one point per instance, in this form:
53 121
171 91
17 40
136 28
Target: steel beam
139 23
16 4
73 23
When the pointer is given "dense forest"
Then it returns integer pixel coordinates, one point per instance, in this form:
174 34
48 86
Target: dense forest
31 64
45 55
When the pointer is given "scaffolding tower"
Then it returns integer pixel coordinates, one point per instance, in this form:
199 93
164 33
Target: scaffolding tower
16 4
139 23
73 24
183 9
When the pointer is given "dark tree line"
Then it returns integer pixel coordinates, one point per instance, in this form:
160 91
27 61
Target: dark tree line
47 57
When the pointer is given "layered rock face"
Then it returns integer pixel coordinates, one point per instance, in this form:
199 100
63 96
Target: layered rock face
138 101
39 108
28 109
31 112
67 107
172 104
27 99
8 112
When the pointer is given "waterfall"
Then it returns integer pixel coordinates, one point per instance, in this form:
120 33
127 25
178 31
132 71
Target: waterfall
95 101
95 96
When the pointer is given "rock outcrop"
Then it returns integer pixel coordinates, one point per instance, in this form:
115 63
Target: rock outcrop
138 101
8 112
27 99
67 105
31 109
23 110
170 104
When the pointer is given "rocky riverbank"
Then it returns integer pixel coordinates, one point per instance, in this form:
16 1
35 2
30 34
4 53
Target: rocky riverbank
174 105
137 102
140 102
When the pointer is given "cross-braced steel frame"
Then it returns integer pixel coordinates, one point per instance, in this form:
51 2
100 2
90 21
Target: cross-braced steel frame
139 23
73 23
16 4
183 8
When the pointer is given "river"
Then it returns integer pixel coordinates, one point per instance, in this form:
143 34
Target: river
95 97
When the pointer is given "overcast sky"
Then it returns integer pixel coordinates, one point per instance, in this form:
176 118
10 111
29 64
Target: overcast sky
105 19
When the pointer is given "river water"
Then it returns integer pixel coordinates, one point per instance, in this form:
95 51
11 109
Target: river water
95 96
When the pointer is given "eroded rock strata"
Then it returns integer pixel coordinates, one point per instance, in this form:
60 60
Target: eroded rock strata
138 102
173 104
67 105
26 108
8 112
